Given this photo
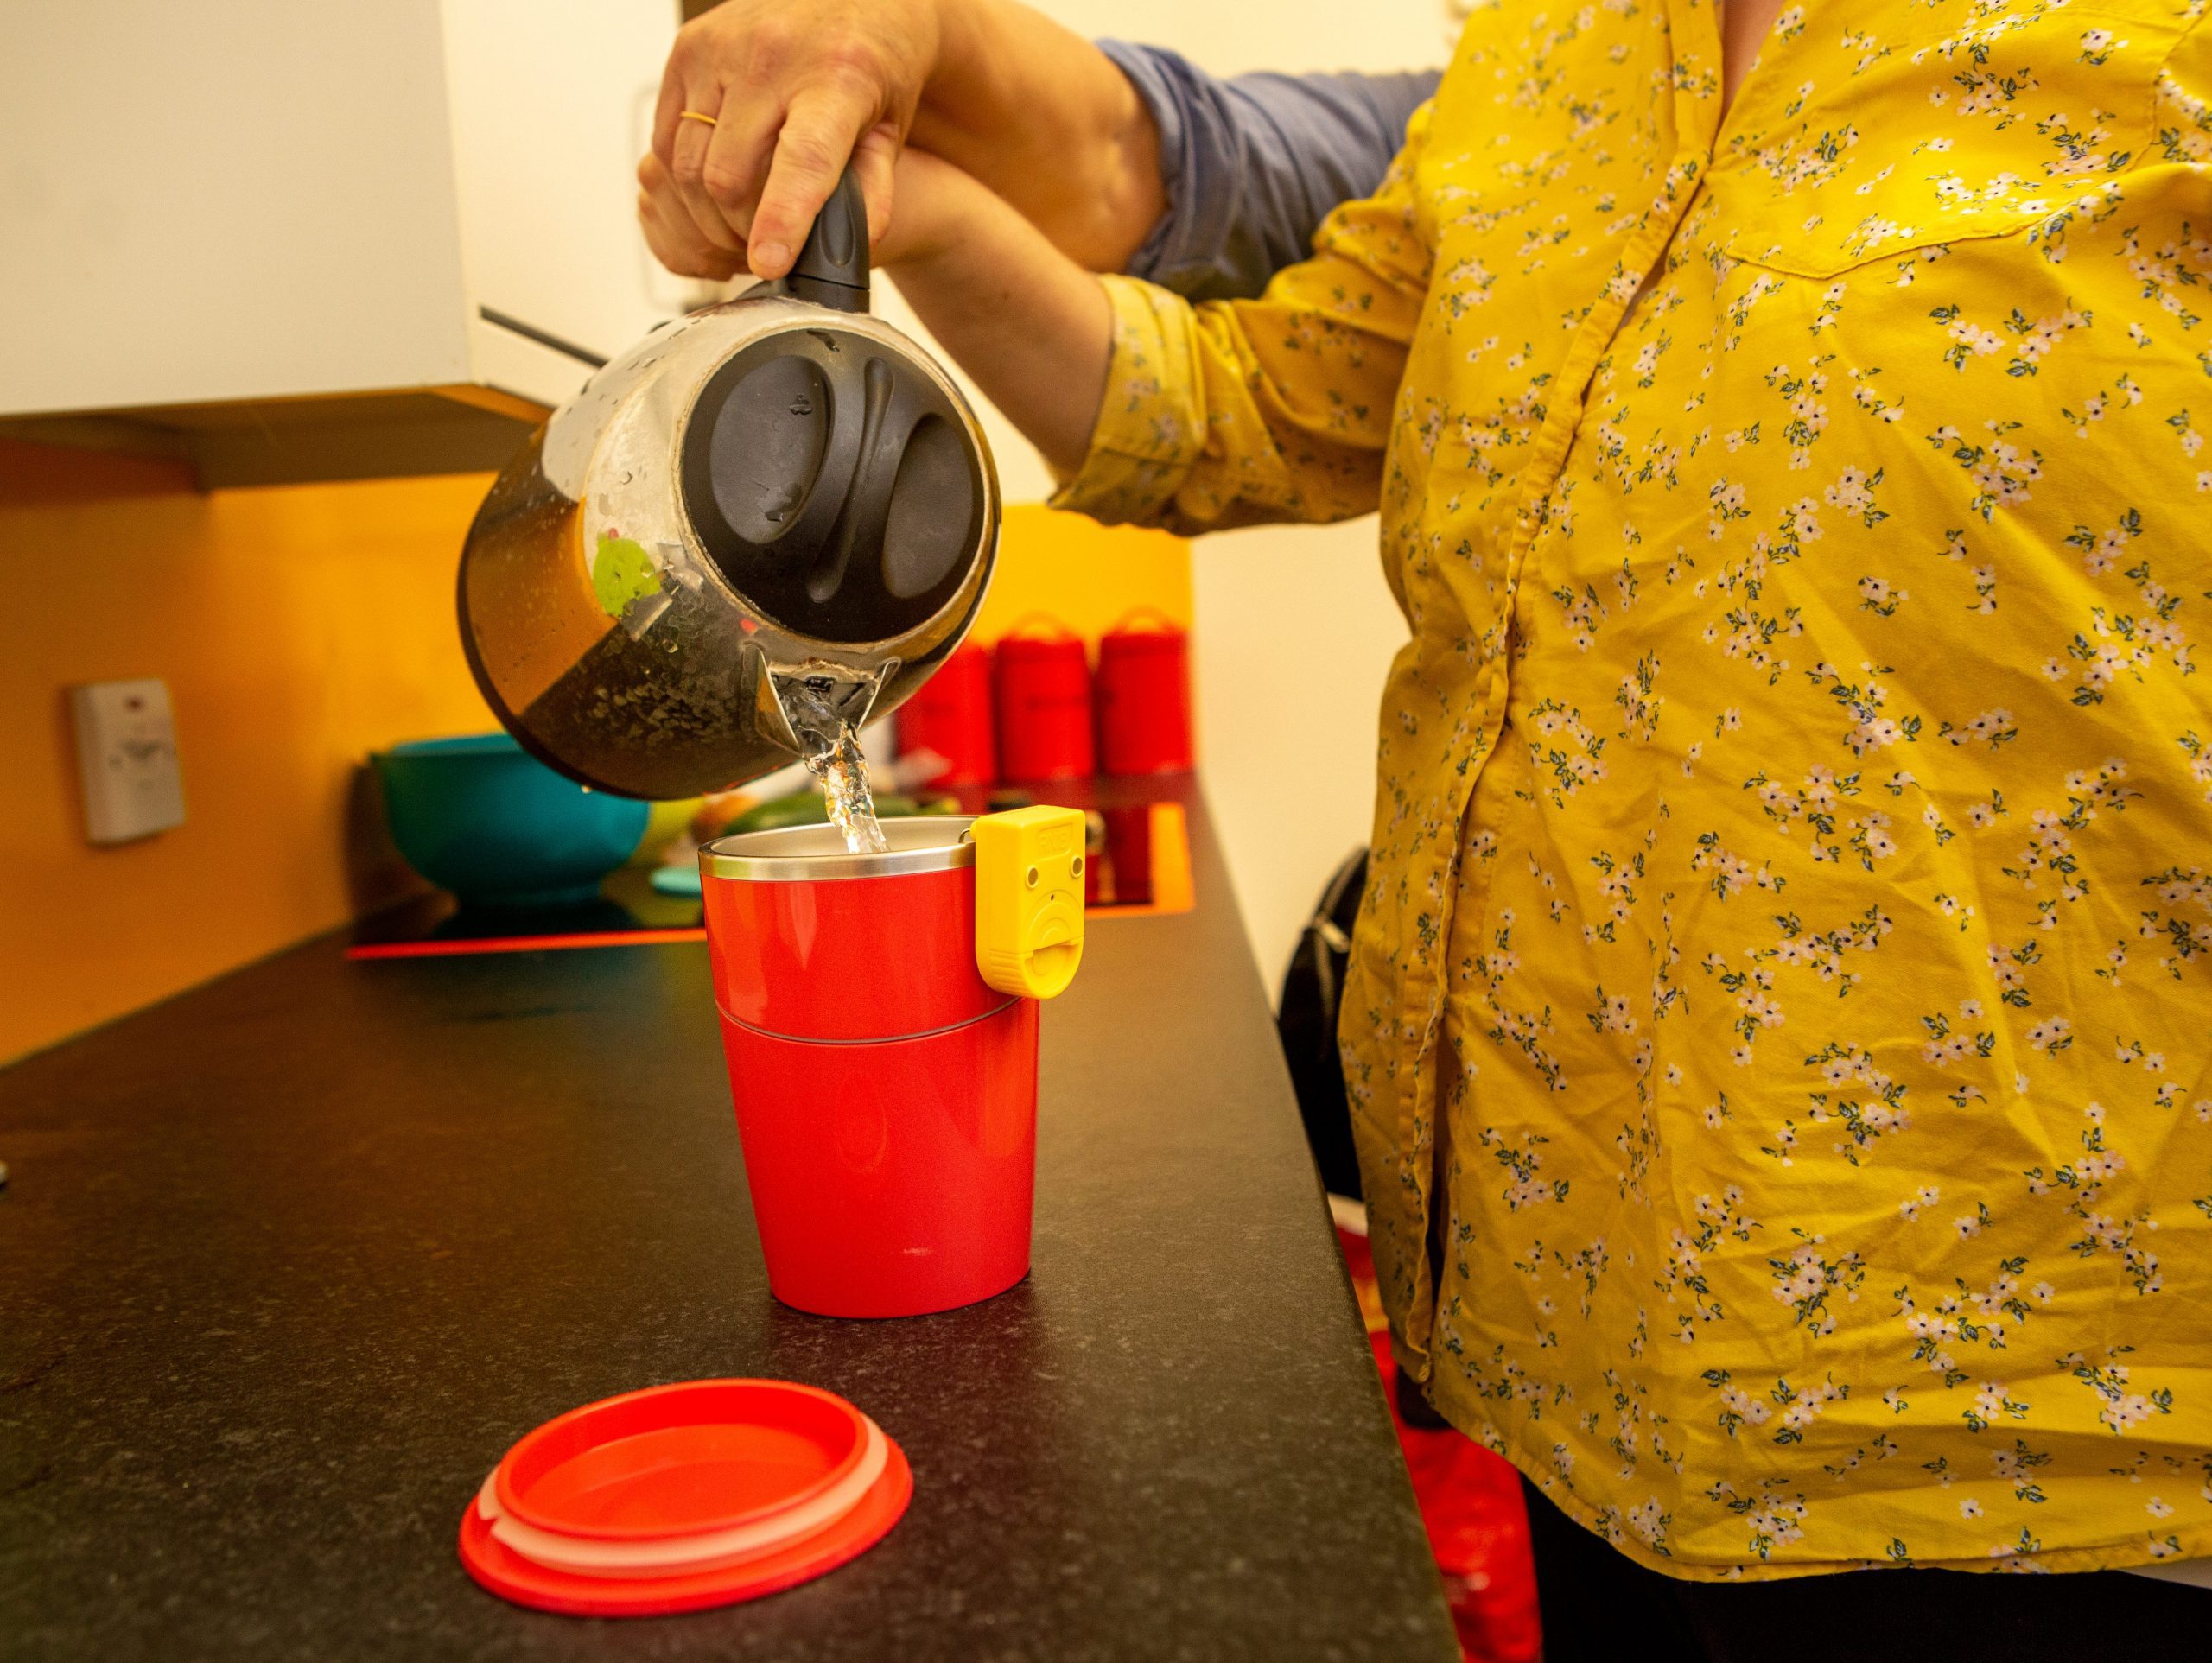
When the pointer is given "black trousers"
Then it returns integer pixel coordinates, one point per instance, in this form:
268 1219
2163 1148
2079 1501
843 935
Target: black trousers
1599 1606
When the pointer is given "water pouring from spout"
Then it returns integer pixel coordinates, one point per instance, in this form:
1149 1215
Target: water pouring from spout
829 743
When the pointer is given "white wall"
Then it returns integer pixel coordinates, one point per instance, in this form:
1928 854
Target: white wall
1294 631
549 122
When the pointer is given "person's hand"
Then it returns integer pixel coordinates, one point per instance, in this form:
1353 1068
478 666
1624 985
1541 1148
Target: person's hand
691 245
932 197
797 88
929 194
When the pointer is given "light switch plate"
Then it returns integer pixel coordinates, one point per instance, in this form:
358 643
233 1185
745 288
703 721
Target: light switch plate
126 760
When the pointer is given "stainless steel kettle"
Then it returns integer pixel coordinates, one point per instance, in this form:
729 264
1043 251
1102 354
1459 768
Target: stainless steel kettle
768 517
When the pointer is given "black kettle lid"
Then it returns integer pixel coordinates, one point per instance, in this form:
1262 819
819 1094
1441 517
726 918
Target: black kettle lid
825 470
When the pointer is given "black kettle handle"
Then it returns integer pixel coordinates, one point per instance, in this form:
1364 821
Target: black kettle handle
831 270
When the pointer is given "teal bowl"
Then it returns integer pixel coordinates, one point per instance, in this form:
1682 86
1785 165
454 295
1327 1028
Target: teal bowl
481 817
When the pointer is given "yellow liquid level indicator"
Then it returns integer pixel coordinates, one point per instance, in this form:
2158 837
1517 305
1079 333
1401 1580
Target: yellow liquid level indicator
1029 899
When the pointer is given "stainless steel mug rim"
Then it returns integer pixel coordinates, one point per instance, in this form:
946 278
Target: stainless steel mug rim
788 854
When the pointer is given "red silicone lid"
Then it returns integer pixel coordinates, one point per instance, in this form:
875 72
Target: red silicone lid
509 1575
680 1460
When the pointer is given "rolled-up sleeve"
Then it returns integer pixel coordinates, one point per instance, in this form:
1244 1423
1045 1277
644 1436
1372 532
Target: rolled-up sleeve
1251 164
1275 409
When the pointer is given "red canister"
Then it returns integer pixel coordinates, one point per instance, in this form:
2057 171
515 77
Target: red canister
886 1096
950 714
1043 677
1144 695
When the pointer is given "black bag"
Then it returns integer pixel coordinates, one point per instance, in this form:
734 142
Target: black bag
1312 993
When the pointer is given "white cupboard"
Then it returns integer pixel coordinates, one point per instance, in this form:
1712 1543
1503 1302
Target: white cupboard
294 241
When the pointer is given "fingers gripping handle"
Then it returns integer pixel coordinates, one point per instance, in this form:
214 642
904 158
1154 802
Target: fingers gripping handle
831 270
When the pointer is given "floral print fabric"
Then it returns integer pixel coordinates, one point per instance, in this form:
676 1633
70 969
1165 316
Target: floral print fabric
1780 1028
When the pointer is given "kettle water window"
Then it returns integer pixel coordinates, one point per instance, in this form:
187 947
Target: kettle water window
828 480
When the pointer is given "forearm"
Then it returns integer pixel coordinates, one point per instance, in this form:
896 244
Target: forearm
1153 410
1047 122
1032 326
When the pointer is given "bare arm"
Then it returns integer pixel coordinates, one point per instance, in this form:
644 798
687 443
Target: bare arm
1031 326
796 88
1158 412
1047 122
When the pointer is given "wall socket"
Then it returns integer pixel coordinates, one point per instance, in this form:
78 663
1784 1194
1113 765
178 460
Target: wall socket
126 760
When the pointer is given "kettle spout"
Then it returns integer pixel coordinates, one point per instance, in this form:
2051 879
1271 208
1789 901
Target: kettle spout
803 707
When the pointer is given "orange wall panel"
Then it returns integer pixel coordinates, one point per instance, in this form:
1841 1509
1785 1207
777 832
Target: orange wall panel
1085 575
299 627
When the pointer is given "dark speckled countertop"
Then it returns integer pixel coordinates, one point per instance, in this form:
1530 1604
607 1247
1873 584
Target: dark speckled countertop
288 1261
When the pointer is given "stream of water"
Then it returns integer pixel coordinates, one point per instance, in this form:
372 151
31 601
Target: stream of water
832 749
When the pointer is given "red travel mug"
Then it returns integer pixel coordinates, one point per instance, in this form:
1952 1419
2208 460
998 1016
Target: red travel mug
950 714
885 1095
1144 695
1043 677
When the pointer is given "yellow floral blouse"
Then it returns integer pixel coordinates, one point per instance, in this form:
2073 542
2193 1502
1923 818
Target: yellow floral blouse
1780 1032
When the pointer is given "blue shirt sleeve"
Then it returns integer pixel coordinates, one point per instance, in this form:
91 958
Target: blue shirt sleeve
1254 163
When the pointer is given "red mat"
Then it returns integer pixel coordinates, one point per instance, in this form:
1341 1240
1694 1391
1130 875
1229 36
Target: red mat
1471 1503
